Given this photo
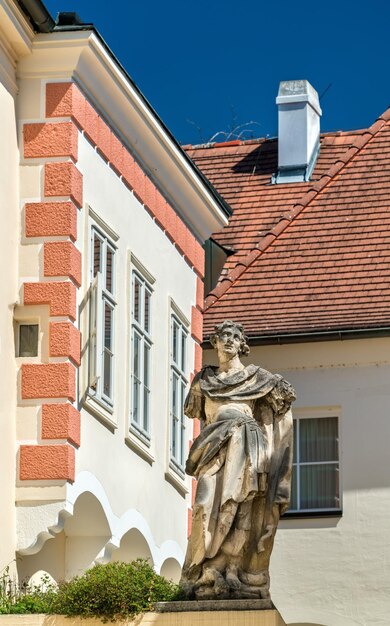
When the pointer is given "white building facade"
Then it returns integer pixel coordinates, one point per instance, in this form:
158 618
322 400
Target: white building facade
105 220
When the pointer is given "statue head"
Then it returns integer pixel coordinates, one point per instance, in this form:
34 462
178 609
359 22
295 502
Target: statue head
231 327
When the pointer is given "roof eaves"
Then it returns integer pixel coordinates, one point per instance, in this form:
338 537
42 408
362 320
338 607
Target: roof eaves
44 23
226 209
315 336
269 237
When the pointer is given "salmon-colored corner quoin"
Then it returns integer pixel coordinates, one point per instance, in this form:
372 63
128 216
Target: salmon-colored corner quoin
47 462
61 421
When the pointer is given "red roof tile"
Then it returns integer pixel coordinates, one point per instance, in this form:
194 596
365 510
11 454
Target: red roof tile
308 257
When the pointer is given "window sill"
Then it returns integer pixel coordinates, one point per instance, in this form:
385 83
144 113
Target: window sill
103 413
306 514
177 480
138 445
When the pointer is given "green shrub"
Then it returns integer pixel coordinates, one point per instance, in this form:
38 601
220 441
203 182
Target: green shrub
116 590
24 598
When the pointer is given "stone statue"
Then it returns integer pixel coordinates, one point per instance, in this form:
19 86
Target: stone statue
242 460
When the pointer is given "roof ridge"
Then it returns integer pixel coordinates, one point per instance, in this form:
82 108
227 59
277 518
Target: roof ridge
242 265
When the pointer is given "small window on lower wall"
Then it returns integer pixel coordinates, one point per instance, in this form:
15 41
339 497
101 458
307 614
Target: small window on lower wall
27 340
316 477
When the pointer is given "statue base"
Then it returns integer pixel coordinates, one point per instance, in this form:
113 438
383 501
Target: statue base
212 605
181 615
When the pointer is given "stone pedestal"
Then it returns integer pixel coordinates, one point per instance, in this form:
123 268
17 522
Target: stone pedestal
266 617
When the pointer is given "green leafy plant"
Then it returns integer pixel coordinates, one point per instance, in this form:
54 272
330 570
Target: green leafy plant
23 597
113 591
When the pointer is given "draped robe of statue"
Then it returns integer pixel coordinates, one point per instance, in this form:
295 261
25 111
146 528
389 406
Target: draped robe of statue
242 460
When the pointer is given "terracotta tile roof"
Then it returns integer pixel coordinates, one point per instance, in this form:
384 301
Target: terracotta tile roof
309 257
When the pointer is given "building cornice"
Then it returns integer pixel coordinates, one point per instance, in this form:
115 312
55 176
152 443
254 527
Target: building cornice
81 55
15 41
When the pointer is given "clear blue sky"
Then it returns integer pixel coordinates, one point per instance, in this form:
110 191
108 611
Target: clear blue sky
216 64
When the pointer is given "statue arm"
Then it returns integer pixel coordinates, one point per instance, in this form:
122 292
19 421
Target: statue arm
281 397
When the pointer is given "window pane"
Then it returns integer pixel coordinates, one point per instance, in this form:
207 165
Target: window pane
146 410
107 375
183 351
146 365
294 489
147 310
319 486
97 254
136 398
318 439
295 437
182 424
136 356
108 326
136 300
175 342
175 381
109 269
28 340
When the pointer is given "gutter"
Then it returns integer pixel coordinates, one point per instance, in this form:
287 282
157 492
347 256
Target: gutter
327 335
38 15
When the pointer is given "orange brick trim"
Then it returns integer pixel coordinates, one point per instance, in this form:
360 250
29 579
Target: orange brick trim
61 421
65 340
48 219
64 179
56 462
65 99
198 357
50 140
60 296
196 324
48 380
199 293
194 483
195 428
189 522
62 258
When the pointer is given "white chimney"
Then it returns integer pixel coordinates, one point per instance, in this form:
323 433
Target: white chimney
299 130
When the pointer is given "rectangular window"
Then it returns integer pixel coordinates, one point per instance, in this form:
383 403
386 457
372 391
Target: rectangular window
315 483
101 318
178 390
141 340
28 340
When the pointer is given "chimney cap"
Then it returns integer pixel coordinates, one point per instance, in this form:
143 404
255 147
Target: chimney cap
291 91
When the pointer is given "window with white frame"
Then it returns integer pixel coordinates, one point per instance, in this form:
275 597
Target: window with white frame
315 483
141 344
178 390
101 318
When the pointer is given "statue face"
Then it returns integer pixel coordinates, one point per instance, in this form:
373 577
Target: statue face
228 342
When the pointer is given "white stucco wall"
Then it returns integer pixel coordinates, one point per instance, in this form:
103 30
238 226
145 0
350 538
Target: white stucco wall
9 220
133 492
129 480
334 571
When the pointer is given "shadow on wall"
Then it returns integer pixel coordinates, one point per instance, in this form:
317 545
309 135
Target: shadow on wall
82 543
133 546
171 570
75 548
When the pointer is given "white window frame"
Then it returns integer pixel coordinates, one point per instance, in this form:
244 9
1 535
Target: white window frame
297 463
178 371
101 297
140 423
